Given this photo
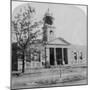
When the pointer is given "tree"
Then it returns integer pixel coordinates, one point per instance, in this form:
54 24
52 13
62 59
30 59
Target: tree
25 29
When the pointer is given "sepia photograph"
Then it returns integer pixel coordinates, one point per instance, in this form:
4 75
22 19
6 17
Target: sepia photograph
49 45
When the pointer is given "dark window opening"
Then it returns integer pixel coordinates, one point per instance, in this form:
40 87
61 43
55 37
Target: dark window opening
65 55
52 56
59 56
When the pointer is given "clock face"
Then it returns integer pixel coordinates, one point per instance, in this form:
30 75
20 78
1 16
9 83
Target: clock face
48 20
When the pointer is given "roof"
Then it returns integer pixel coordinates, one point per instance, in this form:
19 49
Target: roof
59 41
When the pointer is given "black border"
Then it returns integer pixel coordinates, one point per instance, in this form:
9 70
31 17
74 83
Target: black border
11 42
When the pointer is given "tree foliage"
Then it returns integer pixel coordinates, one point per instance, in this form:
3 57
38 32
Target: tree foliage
25 27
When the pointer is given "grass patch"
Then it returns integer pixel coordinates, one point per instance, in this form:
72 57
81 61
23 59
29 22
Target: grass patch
47 81
73 78
61 80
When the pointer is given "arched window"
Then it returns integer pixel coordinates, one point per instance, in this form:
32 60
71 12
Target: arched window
51 32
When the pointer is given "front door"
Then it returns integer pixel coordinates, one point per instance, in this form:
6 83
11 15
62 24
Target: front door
51 56
59 56
65 55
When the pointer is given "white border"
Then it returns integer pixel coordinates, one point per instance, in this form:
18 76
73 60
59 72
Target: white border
5 44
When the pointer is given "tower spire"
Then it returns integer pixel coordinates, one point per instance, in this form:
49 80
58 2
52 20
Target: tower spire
48 17
48 13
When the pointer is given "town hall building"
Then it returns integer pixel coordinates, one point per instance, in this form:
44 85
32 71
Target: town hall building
52 51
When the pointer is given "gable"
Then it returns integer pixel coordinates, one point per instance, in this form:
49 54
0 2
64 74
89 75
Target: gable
60 41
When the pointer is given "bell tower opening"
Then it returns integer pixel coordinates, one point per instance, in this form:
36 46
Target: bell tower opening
51 35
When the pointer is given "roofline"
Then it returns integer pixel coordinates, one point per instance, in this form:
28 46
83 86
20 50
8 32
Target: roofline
60 39
58 44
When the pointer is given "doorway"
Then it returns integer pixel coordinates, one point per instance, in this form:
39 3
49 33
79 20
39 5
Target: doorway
65 55
52 56
59 56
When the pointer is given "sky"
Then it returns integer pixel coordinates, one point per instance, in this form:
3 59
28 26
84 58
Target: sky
70 21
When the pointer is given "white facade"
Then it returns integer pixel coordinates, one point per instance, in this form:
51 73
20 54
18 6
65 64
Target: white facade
60 43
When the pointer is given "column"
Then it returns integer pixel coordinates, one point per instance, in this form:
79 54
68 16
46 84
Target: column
55 56
62 56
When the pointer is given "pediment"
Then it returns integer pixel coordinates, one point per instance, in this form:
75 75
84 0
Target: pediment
60 41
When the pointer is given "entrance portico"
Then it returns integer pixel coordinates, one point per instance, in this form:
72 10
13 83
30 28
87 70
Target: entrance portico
58 56
57 53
